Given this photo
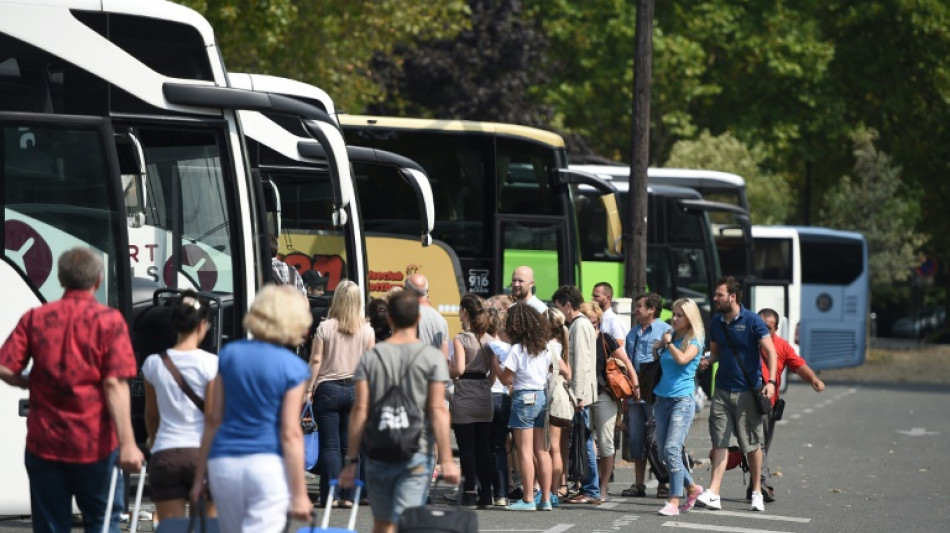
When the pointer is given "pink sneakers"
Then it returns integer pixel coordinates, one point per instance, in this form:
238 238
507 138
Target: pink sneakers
669 510
691 499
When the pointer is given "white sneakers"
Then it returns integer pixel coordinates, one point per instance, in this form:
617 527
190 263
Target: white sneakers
710 500
758 503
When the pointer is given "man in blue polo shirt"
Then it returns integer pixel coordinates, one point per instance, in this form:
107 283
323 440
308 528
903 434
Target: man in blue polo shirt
734 410
647 331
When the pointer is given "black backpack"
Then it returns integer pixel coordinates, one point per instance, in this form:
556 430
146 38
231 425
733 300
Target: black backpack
395 422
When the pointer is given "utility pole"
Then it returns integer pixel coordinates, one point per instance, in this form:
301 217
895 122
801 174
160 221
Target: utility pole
635 236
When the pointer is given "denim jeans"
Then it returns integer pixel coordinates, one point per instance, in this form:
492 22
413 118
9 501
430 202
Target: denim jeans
638 413
590 487
54 483
331 405
398 486
674 416
499 441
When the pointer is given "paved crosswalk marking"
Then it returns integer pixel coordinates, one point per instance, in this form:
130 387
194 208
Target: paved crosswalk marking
707 527
758 516
559 528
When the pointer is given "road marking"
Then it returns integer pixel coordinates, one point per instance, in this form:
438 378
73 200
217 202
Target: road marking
618 524
611 503
558 528
760 516
917 432
808 411
707 527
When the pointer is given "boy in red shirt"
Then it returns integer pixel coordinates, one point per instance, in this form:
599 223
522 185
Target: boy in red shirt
786 357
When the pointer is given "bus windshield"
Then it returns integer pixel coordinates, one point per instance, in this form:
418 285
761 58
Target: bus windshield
56 186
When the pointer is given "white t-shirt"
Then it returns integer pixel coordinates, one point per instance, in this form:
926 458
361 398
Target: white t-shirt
181 422
610 323
500 349
531 373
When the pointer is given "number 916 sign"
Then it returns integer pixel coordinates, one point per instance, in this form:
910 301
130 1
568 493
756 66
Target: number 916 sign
478 281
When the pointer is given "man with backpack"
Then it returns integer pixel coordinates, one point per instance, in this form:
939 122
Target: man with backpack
399 418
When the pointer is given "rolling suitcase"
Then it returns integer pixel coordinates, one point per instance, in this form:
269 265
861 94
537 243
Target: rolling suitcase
427 519
325 523
197 523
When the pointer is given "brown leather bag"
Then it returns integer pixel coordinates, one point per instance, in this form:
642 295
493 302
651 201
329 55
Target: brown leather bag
619 382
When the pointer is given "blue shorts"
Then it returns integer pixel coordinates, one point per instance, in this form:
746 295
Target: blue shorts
525 416
395 487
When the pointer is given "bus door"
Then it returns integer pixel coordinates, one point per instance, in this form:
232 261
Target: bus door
60 182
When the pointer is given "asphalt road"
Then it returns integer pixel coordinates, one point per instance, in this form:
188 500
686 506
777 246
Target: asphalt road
860 457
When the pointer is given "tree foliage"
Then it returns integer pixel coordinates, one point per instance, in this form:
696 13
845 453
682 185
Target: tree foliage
485 72
770 198
872 202
792 81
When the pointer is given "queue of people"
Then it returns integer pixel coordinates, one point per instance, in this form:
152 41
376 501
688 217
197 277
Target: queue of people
227 429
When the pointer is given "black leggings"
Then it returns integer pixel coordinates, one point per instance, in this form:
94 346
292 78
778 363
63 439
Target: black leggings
474 441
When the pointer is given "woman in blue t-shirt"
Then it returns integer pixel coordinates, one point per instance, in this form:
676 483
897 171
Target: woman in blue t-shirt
252 447
680 351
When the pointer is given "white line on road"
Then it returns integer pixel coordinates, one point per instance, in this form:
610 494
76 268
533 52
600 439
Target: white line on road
611 503
559 528
707 527
759 516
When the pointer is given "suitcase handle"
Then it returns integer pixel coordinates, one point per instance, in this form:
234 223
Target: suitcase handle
107 519
326 512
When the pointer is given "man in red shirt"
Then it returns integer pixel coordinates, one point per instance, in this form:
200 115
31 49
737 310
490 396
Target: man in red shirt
786 358
79 424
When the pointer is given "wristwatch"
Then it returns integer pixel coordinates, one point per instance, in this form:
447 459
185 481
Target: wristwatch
772 381
350 460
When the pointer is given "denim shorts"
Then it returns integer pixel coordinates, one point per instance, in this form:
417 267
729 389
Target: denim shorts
395 487
524 416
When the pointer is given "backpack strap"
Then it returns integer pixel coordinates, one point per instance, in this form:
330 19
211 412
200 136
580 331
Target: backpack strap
176 375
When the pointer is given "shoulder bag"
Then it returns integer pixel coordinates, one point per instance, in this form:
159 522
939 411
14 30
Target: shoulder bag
763 404
176 375
618 379
561 401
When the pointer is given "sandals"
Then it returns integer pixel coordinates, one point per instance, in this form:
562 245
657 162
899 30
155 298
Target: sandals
637 490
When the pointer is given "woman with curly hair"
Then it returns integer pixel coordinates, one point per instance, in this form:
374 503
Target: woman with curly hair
525 370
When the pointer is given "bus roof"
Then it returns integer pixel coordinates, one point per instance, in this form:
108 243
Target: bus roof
512 130
685 177
656 190
817 231
52 26
285 86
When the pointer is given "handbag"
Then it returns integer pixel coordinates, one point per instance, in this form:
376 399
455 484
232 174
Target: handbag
561 400
311 437
649 377
619 384
763 404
